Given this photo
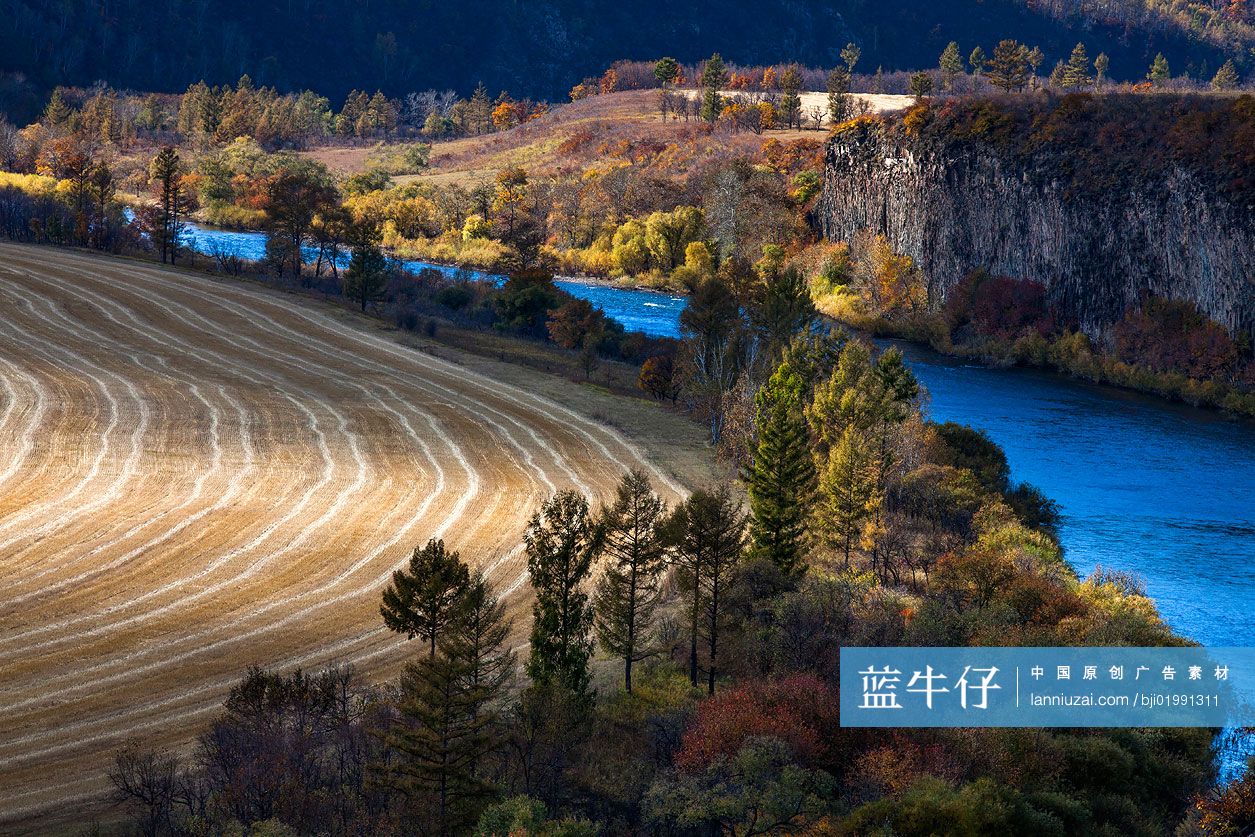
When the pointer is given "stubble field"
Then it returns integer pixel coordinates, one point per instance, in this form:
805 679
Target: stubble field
198 476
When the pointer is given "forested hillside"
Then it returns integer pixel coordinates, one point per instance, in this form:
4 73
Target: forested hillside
536 48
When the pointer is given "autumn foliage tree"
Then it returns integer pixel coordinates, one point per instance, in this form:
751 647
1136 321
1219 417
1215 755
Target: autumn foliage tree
657 377
800 710
293 196
1174 336
580 326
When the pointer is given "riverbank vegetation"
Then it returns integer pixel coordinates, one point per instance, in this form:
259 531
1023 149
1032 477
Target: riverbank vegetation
691 686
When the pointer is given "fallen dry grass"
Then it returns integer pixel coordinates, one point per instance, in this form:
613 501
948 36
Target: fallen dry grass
198 475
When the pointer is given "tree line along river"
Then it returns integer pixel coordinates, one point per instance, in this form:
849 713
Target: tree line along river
1161 490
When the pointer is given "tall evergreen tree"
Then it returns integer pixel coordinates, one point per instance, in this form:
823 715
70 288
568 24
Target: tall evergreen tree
560 548
847 492
1008 69
426 597
366 277
1159 71
838 95
791 99
814 355
479 112
705 536
977 61
57 114
449 706
844 399
666 71
781 478
477 636
1226 78
1035 57
850 54
898 385
1057 75
714 77
627 593
1076 71
951 65
173 202
921 84
783 308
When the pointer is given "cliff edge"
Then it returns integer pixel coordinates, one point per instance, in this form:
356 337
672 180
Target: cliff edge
1103 199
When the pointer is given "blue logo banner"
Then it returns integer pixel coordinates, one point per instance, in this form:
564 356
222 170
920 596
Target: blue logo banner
1047 687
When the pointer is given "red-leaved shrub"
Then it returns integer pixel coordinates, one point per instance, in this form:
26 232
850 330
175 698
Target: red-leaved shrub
800 710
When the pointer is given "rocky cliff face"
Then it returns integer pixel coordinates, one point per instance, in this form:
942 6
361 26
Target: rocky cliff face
954 207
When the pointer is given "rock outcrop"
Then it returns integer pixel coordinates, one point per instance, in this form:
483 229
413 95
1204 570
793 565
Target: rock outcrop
955 206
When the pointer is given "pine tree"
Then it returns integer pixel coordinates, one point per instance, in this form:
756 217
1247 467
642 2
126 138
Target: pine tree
1159 72
898 386
209 113
426 597
921 85
101 188
705 536
366 277
951 65
57 114
1076 71
781 478
1057 74
842 400
838 95
783 308
847 492
479 116
714 77
477 636
627 593
666 71
1008 69
560 547
1035 57
450 711
1226 77
173 202
791 100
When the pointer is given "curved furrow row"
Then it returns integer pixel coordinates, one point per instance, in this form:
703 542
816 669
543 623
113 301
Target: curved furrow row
594 433
439 486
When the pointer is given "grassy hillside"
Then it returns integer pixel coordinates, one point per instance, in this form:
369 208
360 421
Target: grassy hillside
569 139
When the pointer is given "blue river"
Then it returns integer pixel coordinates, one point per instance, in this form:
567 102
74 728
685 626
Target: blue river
1160 490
